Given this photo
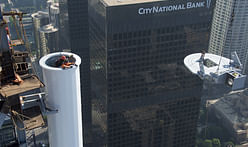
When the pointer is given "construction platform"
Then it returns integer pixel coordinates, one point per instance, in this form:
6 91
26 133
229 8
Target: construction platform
30 83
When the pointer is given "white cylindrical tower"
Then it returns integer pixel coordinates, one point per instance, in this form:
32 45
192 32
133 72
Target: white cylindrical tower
63 89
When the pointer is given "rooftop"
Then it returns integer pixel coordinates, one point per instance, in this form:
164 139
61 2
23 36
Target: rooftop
216 63
29 84
54 8
48 29
127 2
234 107
40 14
48 61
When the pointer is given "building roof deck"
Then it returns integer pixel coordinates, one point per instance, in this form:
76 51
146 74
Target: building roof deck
48 29
233 107
220 64
29 84
40 14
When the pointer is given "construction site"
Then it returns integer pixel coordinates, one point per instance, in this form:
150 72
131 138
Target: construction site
20 96
26 105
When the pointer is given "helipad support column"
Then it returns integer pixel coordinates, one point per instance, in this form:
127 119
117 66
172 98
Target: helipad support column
63 89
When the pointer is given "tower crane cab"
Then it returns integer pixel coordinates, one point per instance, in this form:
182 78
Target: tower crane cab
217 69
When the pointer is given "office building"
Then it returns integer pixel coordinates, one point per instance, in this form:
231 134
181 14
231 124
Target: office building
143 96
49 3
230 30
38 4
49 39
74 35
7 132
40 19
53 10
54 14
231 111
28 27
64 38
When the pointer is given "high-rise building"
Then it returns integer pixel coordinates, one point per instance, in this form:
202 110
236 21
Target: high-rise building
143 96
53 10
230 30
28 27
74 30
64 38
49 3
39 19
46 33
38 4
49 39
54 14
7 132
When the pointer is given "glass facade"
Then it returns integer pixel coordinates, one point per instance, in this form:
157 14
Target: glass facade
39 19
229 30
64 39
49 39
142 95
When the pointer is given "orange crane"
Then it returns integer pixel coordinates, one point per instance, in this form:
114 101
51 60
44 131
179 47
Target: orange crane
22 33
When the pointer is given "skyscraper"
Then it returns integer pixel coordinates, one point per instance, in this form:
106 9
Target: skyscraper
230 30
49 39
40 19
143 96
74 30
64 38
54 14
28 27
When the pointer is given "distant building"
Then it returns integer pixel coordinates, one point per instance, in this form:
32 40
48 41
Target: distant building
2 6
78 31
230 30
49 39
143 96
40 19
232 111
38 4
7 132
54 14
64 36
28 27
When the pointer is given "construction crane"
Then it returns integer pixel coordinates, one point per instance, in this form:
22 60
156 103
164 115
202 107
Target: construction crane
17 78
22 37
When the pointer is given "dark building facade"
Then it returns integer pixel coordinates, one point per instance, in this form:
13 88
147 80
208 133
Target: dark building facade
64 38
142 94
74 35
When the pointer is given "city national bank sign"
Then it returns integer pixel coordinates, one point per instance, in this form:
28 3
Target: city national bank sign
177 7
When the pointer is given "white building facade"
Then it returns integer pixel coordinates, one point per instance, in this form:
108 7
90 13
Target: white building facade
230 30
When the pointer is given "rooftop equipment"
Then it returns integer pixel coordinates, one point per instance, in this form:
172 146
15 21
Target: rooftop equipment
217 69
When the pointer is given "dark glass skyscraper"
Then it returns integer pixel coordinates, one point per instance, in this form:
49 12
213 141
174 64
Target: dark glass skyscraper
64 38
143 96
74 29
